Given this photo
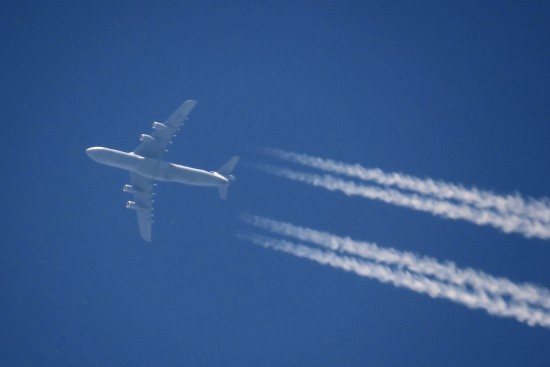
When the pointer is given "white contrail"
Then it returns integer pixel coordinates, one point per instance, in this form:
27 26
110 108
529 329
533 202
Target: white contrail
493 304
538 210
506 223
446 271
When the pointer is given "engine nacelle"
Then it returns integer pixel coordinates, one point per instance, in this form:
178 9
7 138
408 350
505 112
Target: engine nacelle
132 205
159 126
146 138
129 189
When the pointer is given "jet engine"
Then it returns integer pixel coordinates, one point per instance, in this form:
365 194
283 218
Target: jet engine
159 126
146 138
132 205
129 189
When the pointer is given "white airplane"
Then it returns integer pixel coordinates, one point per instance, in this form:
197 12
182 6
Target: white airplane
145 166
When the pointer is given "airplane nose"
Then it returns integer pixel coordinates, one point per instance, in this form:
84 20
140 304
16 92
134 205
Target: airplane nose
92 152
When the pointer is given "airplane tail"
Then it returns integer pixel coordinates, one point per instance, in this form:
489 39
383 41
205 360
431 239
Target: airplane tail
225 171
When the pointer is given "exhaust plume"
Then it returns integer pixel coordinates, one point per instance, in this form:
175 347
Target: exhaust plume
474 299
443 208
536 210
430 267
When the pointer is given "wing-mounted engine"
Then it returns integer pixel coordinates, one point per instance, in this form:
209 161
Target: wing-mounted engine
146 138
154 145
129 189
159 126
134 206
131 205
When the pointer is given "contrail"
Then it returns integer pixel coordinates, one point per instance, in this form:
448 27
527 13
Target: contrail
447 209
446 272
538 210
475 299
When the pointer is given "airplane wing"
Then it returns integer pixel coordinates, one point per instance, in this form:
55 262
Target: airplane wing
153 146
143 197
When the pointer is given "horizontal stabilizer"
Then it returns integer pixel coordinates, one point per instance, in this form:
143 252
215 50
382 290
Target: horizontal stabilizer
227 168
225 171
223 192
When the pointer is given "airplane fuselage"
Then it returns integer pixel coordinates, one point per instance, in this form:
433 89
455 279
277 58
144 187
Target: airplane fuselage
155 169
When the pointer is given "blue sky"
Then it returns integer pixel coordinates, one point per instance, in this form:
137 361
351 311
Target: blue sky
456 91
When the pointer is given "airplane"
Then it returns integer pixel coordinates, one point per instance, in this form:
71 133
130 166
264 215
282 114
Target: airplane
146 167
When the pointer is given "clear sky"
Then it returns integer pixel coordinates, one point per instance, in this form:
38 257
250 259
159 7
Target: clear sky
452 90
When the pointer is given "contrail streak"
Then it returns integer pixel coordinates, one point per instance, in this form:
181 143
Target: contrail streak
447 271
443 208
476 299
538 210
